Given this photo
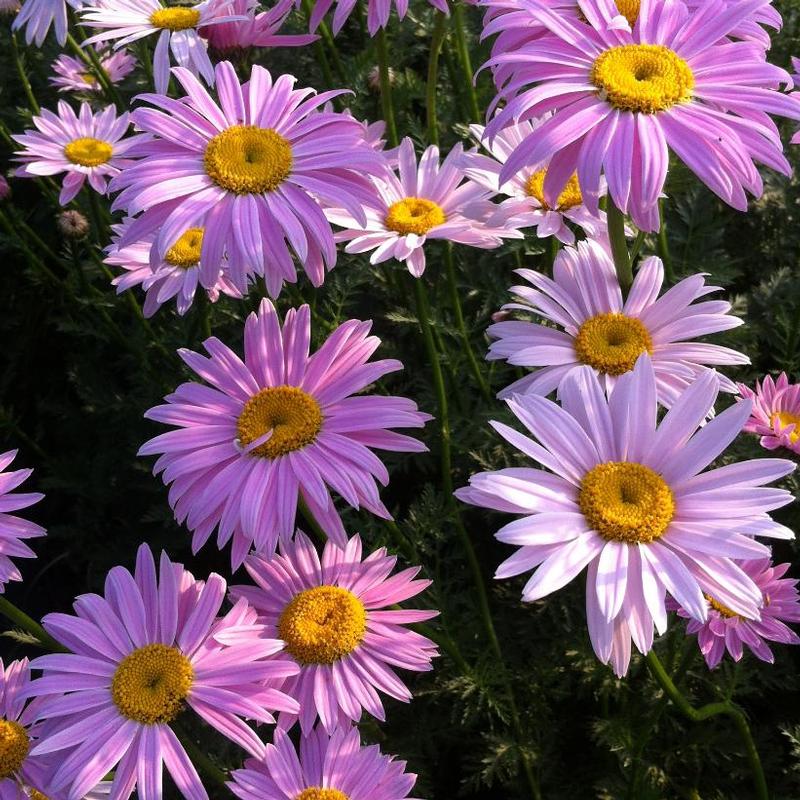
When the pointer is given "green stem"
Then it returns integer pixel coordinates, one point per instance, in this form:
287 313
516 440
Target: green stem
89 57
663 246
23 76
439 32
553 246
637 245
14 236
199 758
619 246
327 36
382 52
205 313
30 625
464 59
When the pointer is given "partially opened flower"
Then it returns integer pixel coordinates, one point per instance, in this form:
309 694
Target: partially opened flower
337 619
626 498
72 74
334 767
279 427
378 12
596 327
776 412
88 146
37 16
141 653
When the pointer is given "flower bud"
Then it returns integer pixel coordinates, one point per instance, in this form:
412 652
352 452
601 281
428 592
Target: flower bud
72 224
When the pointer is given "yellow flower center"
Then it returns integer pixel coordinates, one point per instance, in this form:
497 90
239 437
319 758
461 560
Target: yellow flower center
35 794
246 159
414 215
569 197
318 793
175 19
186 251
626 502
14 746
717 606
784 418
629 9
89 79
88 152
151 683
293 416
611 343
642 77
323 624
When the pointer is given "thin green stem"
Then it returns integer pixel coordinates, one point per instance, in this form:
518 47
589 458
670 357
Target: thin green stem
663 246
439 32
619 246
23 76
637 246
553 246
204 311
30 625
327 36
33 258
382 53
199 758
462 49
89 57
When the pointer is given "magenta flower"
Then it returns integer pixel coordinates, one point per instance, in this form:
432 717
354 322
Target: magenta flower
378 12
86 147
626 498
331 767
141 653
339 626
621 99
776 412
71 73
280 426
597 328
36 16
726 630
251 171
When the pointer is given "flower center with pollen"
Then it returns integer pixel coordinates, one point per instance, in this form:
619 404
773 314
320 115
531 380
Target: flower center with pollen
414 215
175 19
185 252
717 606
246 159
780 419
88 152
323 624
293 416
569 197
626 502
318 793
629 9
642 77
14 746
611 343
151 683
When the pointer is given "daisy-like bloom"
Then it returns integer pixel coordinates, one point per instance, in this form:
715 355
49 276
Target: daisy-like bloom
14 529
332 767
626 498
71 74
597 328
726 630
337 620
622 98
378 12
280 426
776 412
429 201
252 171
140 654
176 275
127 21
36 16
86 147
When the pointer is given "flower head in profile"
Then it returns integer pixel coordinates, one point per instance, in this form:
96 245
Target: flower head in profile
88 146
38 16
278 427
72 75
726 630
429 201
627 498
776 412
252 171
378 12
140 654
337 618
596 327
328 767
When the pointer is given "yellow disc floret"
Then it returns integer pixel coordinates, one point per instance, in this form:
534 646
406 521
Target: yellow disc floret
629 9
186 251
246 159
626 502
780 419
414 215
88 152
175 19
323 624
318 793
569 197
642 77
14 746
611 343
151 683
717 606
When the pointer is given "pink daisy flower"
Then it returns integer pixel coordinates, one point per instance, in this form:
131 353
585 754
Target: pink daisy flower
337 620
378 12
429 201
626 498
621 99
14 529
86 147
597 328
36 16
776 412
71 74
726 630
141 653
278 427
252 171
332 767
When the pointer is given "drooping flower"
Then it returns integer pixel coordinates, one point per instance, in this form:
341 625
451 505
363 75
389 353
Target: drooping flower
71 74
141 653
597 328
36 16
331 767
251 171
621 99
776 412
429 201
626 498
278 427
726 630
87 147
378 12
14 529
337 620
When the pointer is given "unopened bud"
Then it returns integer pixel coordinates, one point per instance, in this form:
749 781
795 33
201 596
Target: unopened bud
374 78
501 316
5 189
72 224
9 7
